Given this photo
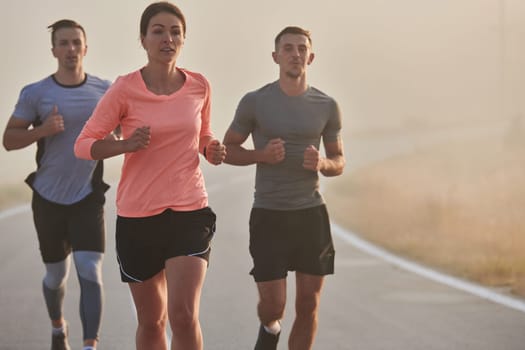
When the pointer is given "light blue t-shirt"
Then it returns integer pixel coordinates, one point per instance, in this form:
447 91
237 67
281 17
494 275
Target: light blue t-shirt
300 121
60 176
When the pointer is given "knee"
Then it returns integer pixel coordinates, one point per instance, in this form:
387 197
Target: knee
271 309
183 319
89 265
56 274
153 329
54 280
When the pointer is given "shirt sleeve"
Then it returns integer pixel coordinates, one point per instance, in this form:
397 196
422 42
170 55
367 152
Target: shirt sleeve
244 119
105 119
25 107
205 115
332 130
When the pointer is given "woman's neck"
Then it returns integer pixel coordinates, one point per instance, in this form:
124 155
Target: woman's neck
162 80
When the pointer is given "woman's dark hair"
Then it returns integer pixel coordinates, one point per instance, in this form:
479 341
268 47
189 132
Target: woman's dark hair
156 8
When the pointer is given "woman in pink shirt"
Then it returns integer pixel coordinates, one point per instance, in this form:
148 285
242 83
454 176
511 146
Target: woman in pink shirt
164 225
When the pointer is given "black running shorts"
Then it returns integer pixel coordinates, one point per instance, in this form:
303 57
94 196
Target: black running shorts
62 228
144 244
290 240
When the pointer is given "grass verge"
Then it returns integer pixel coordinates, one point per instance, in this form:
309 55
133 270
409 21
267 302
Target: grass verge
457 208
12 195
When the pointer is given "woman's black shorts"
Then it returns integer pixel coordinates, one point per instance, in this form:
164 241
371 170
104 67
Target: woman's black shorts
144 244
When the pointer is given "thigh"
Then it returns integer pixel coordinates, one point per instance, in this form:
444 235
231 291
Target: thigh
307 294
86 228
51 227
150 299
185 277
272 293
308 286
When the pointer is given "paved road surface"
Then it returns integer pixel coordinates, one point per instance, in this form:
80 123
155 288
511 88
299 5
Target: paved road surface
368 304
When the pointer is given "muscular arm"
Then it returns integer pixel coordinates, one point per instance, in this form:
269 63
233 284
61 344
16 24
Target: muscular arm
334 162
18 133
332 165
237 155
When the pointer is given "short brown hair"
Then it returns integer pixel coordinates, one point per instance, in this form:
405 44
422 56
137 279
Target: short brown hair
64 23
293 30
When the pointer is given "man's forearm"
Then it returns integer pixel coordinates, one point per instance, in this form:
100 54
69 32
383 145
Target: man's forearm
333 166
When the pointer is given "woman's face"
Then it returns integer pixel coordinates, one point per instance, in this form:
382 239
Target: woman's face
164 38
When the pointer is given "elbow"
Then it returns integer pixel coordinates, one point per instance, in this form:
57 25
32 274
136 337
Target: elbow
80 155
342 167
76 150
9 146
332 173
336 169
337 172
80 151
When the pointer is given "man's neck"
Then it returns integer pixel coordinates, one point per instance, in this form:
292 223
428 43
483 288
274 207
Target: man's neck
293 86
70 77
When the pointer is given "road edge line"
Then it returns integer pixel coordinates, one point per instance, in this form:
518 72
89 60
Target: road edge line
426 272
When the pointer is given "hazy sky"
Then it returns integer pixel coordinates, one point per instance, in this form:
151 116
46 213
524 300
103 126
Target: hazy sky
387 62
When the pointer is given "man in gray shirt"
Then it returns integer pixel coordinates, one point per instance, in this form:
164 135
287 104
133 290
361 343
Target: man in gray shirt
68 193
289 224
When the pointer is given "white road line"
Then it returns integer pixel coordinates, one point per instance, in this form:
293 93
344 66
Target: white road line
380 253
14 211
426 272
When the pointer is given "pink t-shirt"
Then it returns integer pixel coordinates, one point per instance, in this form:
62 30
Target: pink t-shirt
166 174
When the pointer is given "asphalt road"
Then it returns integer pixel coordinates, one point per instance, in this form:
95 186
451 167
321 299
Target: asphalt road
369 304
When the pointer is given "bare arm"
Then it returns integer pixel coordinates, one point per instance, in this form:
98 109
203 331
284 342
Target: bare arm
18 135
332 165
237 155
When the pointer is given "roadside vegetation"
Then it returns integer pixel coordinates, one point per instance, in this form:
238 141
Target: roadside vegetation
457 208
12 195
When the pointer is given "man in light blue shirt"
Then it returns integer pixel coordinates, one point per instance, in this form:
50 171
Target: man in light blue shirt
68 193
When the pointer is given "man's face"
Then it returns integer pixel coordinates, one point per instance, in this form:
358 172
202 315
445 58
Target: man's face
69 47
293 54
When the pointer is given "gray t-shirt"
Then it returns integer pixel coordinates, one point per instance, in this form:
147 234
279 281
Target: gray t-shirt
300 121
60 176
